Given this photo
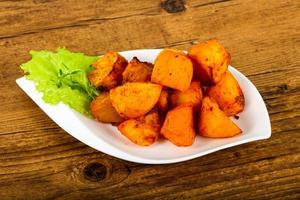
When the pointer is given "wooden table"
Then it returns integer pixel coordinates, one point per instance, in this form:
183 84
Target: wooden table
38 160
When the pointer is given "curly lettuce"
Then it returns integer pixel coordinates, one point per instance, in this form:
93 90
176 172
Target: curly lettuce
62 77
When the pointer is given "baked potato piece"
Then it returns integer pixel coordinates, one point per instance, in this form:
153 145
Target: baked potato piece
137 71
103 111
210 61
228 94
193 95
163 101
214 123
178 126
143 131
108 70
172 68
134 99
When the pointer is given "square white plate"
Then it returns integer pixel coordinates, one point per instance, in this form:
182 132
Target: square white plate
254 121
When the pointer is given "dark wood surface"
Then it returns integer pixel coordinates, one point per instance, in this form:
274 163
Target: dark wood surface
38 160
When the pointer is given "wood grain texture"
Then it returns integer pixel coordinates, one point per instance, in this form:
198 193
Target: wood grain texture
38 160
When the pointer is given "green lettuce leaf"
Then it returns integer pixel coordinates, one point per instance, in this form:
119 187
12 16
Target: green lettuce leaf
62 77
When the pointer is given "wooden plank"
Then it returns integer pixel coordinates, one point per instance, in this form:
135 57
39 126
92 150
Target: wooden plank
28 17
263 39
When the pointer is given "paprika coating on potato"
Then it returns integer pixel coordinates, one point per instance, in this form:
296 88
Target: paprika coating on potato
108 70
192 95
143 131
178 126
163 101
210 60
214 123
172 68
137 71
134 99
103 110
228 94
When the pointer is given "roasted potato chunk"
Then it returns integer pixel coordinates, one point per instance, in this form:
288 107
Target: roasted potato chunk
103 110
214 123
178 126
108 70
228 94
143 131
210 61
134 99
172 68
163 101
193 95
137 71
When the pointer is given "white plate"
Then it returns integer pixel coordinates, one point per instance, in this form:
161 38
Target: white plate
254 121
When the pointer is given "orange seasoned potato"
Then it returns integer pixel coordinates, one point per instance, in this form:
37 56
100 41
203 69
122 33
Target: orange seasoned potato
163 101
108 70
103 110
134 99
214 123
228 95
174 98
143 131
192 95
179 125
210 61
172 68
137 71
